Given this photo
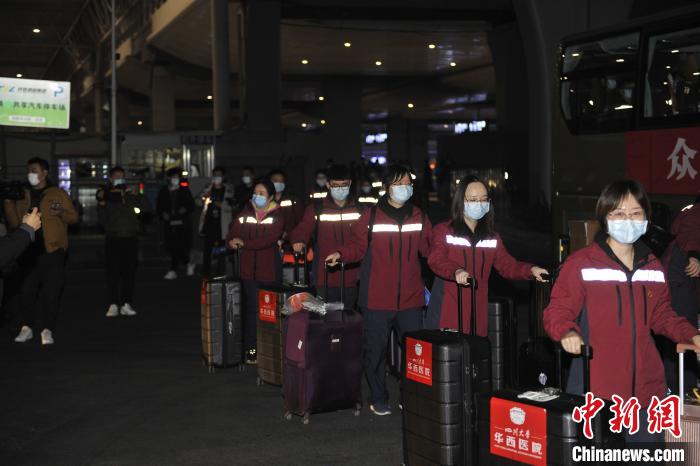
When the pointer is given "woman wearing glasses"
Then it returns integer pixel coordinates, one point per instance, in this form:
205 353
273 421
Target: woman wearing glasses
465 247
612 295
388 238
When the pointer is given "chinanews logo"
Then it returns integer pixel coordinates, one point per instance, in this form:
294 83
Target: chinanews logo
419 349
517 416
267 299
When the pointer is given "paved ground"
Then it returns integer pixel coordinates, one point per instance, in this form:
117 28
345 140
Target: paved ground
133 391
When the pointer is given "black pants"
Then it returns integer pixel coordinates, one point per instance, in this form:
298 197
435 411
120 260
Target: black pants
44 277
250 314
121 258
378 324
208 244
349 296
178 242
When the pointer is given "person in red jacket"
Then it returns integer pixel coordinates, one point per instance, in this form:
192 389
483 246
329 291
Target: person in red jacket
612 295
388 238
327 222
464 247
290 206
256 231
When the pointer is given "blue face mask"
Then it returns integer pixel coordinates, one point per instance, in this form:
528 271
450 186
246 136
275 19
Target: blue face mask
476 210
259 201
340 194
118 181
627 231
401 193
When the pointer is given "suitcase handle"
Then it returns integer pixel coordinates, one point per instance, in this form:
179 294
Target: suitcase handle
296 255
342 281
681 348
473 284
586 354
564 248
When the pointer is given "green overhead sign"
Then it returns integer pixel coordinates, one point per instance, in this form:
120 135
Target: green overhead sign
34 103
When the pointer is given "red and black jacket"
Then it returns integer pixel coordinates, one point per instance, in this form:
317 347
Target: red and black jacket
260 257
449 253
615 310
329 225
389 241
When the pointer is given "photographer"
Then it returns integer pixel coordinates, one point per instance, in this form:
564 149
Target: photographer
43 265
175 205
118 208
14 244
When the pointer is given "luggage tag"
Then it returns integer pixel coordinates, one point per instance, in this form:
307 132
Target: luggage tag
541 396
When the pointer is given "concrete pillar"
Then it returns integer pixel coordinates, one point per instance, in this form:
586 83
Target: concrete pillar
162 100
397 142
123 114
261 70
221 70
342 110
417 145
98 94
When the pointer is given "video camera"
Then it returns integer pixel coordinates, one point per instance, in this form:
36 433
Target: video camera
114 194
12 190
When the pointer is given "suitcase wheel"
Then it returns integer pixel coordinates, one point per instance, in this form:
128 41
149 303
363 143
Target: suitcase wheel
259 382
288 416
306 419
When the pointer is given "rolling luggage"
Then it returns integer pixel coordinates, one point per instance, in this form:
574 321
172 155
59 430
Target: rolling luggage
269 329
502 336
322 361
524 428
690 417
443 371
221 325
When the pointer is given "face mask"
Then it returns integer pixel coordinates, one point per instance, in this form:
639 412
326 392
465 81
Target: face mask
33 178
279 187
401 194
246 179
340 194
174 182
321 182
259 201
366 189
627 231
217 179
118 181
476 210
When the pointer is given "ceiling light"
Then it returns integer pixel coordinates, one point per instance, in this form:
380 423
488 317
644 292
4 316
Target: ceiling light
697 73
378 63
665 83
591 103
410 105
445 126
19 75
623 107
304 125
209 97
575 54
305 61
140 123
347 45
453 64
620 60
675 51
321 98
323 122
36 30
668 67
431 46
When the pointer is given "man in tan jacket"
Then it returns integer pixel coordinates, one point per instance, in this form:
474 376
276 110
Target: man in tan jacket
42 266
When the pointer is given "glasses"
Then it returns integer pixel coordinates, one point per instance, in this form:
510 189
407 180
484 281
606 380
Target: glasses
340 185
622 215
474 199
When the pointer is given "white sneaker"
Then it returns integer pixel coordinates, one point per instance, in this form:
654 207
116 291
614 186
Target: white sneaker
46 337
113 311
127 310
171 275
190 269
24 334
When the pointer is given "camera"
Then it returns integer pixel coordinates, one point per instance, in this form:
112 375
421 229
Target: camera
12 190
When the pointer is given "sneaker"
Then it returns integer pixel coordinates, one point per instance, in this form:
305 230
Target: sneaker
380 408
171 275
190 269
127 310
24 334
113 311
251 357
46 337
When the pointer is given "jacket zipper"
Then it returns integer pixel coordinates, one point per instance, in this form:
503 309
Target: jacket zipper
644 300
483 262
619 305
408 256
398 289
634 333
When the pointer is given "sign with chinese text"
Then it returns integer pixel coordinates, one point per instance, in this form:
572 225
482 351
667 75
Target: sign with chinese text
35 103
518 431
419 361
664 161
267 306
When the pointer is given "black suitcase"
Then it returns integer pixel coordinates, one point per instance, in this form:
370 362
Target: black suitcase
222 338
502 335
443 371
514 430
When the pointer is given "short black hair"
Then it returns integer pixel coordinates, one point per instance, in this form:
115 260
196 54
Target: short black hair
395 172
277 171
612 196
338 172
484 226
269 186
219 168
248 168
175 171
321 171
39 161
115 169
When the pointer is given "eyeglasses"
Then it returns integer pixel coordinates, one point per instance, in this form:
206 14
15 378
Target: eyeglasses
620 214
340 185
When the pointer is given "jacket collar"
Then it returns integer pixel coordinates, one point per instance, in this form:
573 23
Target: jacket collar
329 204
642 252
398 215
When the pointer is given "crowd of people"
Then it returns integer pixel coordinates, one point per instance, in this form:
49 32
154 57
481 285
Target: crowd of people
613 294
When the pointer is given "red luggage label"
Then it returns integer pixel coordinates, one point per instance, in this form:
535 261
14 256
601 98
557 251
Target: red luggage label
267 305
518 431
419 361
204 294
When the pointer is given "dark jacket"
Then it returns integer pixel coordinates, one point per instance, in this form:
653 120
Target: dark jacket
118 210
14 244
175 207
615 311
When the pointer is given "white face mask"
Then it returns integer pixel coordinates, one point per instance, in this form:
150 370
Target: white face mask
340 193
33 178
366 189
627 231
401 193
174 182
321 181
279 187
246 179
118 181
217 180
476 210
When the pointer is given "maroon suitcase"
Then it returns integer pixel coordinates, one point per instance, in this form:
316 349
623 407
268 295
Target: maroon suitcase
322 362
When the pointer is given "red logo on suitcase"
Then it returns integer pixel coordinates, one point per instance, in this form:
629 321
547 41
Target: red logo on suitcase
419 361
518 431
267 305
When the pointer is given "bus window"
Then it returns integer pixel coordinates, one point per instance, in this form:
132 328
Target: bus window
673 75
597 84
